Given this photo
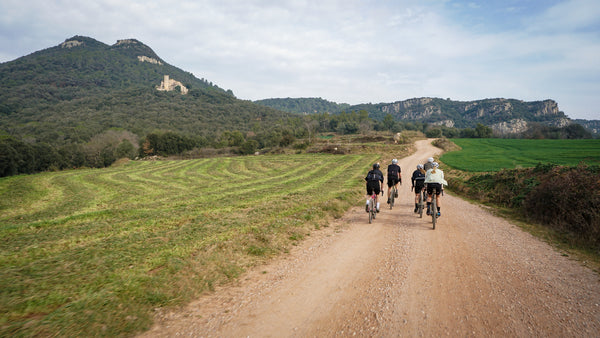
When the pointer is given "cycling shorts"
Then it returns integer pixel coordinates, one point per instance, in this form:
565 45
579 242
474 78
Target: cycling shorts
373 187
392 181
419 185
434 186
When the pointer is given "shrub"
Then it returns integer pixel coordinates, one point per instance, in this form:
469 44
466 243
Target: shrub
563 198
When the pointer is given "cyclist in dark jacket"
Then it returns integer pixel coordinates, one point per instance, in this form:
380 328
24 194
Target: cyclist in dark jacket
374 184
394 176
418 183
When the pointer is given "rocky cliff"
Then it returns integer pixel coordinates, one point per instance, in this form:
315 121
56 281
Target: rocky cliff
503 115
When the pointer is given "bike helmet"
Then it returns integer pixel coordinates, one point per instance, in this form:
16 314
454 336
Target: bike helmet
419 166
394 161
436 165
376 166
430 160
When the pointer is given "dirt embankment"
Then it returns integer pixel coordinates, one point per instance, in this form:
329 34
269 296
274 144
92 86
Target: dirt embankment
474 275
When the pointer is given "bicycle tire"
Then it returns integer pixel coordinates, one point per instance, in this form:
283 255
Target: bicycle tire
433 210
420 205
392 197
370 211
374 210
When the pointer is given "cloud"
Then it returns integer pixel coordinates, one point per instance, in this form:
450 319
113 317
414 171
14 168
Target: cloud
344 51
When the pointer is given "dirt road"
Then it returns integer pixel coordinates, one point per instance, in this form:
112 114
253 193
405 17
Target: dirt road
474 275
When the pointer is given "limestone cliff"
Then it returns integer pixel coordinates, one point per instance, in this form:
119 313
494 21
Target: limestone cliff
505 115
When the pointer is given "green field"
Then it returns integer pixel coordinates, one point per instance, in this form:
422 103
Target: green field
489 154
92 252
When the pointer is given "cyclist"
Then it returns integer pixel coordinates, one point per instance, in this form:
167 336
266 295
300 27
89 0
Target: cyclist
418 182
434 178
429 164
374 184
393 177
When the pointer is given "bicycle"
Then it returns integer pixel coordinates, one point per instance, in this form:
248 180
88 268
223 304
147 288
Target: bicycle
372 207
434 212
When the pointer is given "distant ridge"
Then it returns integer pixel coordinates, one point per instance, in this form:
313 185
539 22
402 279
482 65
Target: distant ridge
505 116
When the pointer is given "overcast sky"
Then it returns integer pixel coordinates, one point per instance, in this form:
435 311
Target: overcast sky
346 51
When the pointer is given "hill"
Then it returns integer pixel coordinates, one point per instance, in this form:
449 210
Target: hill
504 116
304 105
83 87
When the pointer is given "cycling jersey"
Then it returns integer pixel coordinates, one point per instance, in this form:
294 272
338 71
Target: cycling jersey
417 176
393 170
374 175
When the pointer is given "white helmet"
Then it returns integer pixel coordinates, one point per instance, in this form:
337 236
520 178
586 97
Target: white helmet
430 160
394 161
419 166
436 165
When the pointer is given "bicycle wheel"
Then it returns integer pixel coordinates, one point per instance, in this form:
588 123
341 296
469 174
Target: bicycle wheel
370 211
374 209
420 205
392 197
433 210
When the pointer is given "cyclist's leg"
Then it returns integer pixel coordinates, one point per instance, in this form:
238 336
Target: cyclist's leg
369 193
377 191
438 193
430 191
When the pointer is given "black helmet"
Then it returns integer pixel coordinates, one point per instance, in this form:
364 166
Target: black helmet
376 166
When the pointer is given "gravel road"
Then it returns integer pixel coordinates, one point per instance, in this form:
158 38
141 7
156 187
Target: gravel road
474 275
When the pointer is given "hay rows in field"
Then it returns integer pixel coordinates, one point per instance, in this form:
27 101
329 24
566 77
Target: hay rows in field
206 184
98 236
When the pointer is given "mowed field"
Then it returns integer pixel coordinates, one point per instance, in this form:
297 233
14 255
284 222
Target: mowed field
92 252
490 154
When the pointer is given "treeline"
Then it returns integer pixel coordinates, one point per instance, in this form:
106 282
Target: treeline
307 105
26 157
20 157
534 131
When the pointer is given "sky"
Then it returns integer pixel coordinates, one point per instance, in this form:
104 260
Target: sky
345 51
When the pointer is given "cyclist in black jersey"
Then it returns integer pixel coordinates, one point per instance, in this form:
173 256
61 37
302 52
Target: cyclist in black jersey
374 184
394 177
418 183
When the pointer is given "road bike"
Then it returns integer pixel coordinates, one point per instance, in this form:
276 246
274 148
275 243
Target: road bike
434 211
372 207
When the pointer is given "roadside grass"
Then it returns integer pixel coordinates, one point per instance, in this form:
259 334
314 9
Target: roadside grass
550 174
484 155
93 252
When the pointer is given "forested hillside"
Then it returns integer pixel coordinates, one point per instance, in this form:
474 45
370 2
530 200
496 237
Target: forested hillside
85 103
76 90
304 105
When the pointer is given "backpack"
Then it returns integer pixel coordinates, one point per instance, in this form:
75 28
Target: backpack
372 176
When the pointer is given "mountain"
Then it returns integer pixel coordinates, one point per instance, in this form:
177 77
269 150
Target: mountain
504 116
82 87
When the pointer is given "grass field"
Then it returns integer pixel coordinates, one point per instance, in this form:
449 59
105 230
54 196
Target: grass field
482 155
92 252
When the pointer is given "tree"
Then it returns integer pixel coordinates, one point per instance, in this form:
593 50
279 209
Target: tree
388 122
249 147
8 165
483 131
434 133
